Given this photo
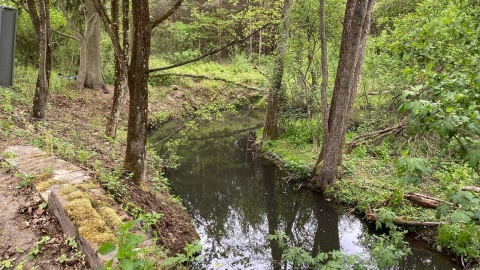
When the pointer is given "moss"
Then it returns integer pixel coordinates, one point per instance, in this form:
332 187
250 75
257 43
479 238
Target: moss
89 223
42 186
110 217
71 193
45 175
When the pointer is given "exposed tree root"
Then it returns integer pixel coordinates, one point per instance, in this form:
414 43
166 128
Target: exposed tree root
376 135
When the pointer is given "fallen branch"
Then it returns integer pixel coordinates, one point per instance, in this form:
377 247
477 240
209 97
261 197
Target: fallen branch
210 78
376 135
372 217
210 53
259 70
471 188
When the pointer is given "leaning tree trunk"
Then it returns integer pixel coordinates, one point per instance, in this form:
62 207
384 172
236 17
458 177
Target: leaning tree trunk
135 156
352 50
121 76
41 23
270 127
93 56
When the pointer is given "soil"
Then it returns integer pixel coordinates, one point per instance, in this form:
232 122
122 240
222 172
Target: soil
24 222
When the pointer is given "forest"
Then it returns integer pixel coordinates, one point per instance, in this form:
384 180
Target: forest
372 107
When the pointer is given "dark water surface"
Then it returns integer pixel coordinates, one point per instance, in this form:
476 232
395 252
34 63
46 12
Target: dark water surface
236 199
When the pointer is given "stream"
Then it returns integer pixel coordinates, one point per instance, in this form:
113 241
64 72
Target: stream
236 199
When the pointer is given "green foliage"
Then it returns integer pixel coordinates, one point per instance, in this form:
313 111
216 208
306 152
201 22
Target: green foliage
128 255
436 47
463 239
386 218
387 250
466 207
410 170
296 131
38 247
26 180
7 264
110 180
192 251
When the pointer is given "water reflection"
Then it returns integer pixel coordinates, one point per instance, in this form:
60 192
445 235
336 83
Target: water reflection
236 200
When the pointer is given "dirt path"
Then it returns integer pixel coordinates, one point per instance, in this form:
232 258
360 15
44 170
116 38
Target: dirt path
29 235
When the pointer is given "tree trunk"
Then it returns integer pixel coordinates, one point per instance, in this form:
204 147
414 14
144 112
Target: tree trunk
135 155
93 57
41 23
121 77
270 128
352 50
324 84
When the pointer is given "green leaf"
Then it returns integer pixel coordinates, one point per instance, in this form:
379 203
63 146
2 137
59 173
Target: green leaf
477 215
442 131
127 264
442 210
461 217
448 125
106 248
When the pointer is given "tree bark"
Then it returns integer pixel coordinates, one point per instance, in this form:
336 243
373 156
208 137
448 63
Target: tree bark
135 156
93 56
324 83
352 50
270 128
121 76
89 70
41 23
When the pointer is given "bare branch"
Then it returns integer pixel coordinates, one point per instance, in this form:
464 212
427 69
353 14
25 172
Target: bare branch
210 78
169 13
69 22
208 54
66 35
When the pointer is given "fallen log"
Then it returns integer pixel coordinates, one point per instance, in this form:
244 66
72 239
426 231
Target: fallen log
471 188
415 198
424 200
372 217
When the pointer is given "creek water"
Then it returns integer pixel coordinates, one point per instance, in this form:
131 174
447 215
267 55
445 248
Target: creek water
237 198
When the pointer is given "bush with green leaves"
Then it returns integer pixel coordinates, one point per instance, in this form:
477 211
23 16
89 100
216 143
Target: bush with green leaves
436 49
410 170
